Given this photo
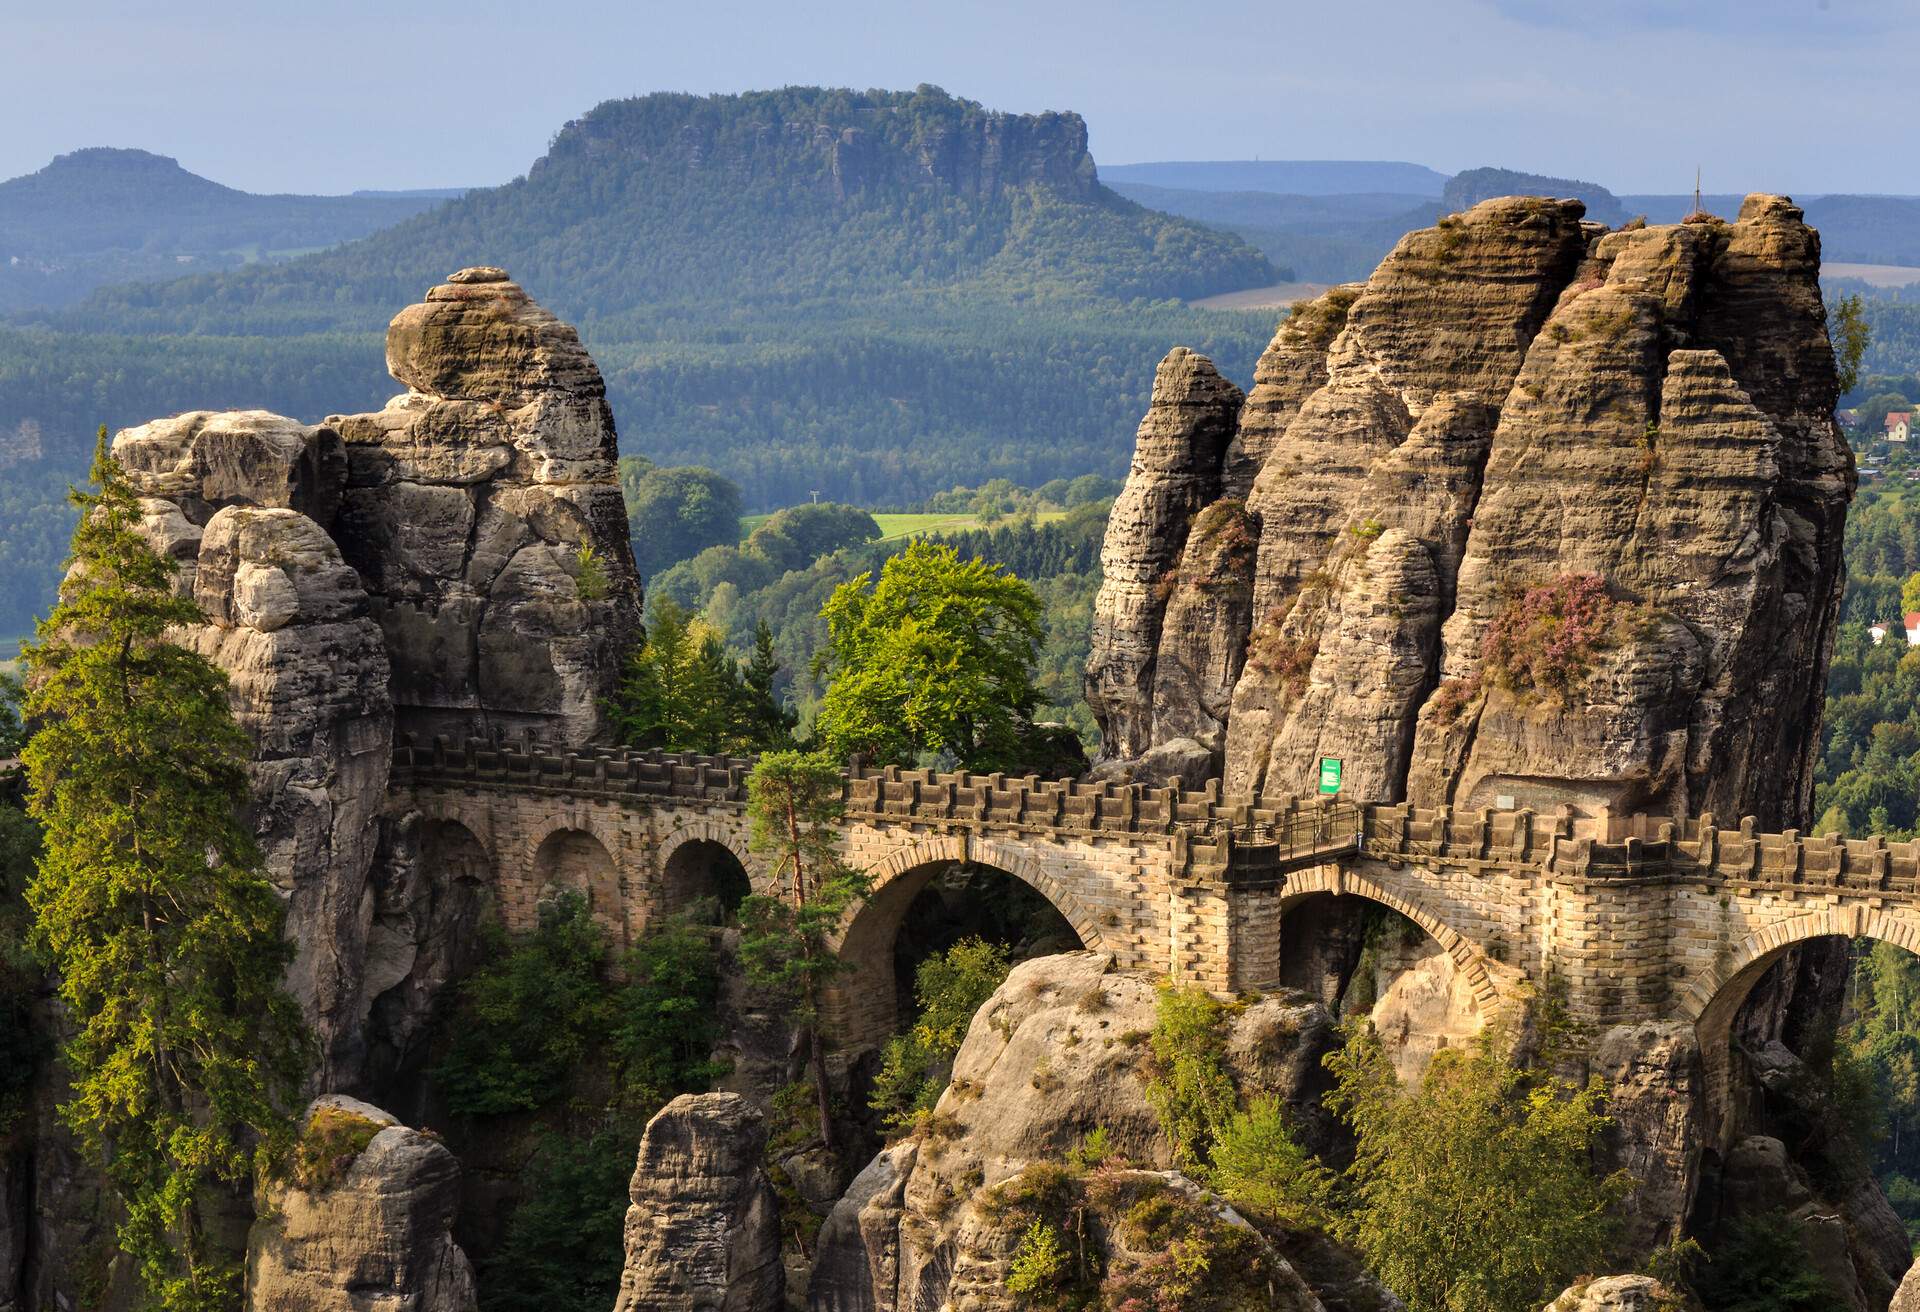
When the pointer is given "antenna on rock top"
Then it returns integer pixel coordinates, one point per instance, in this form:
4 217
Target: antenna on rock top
1696 188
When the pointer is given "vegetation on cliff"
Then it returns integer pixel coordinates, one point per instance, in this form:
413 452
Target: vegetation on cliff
152 905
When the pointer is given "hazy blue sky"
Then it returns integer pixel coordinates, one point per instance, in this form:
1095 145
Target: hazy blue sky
1795 95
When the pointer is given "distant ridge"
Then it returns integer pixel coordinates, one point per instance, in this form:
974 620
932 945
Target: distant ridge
107 214
1297 177
1465 190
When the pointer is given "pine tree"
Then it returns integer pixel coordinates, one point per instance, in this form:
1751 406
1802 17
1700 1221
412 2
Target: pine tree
151 903
769 722
786 939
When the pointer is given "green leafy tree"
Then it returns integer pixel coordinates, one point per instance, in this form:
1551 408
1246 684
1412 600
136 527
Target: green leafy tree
950 987
1762 1265
1188 1083
794 801
532 1017
666 1017
1851 336
1473 1192
937 656
152 906
675 514
562 1248
1259 1167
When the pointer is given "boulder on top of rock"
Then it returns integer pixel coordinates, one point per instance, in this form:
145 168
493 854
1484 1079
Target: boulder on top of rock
365 1221
484 512
1614 1294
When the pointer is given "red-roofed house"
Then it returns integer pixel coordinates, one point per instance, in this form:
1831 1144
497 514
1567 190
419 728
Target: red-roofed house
1912 622
1899 425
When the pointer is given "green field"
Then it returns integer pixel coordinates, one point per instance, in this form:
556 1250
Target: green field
895 527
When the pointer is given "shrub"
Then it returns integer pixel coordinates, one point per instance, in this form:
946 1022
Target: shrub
329 1146
1188 1084
1474 1192
590 574
532 1016
1038 1264
562 1249
1453 697
1261 1169
1544 640
666 1017
1762 1265
950 987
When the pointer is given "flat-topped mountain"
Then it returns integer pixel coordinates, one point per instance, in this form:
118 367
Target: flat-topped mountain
764 197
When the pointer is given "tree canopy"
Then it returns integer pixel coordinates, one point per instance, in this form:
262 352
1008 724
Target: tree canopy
937 656
153 906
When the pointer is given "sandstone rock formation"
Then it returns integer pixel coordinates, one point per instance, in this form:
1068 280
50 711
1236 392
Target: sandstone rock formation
1614 1294
703 1233
375 1232
1176 471
456 563
1907 1297
483 510
229 496
1514 399
1051 1057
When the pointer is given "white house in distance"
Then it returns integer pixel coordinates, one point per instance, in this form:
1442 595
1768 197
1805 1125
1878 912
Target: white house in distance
1899 425
1907 626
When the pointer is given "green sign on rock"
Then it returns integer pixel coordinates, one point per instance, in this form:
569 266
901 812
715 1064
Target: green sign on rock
1329 774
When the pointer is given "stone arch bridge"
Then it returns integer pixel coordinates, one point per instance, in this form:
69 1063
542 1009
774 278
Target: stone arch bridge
1642 918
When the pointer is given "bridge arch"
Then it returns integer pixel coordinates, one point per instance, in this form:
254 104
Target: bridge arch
864 1006
702 859
569 853
1714 1000
1335 881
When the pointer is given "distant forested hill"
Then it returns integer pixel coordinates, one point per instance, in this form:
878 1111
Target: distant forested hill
103 215
873 296
1289 177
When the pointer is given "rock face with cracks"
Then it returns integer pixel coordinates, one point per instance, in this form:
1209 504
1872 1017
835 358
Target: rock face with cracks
483 510
703 1233
1514 399
455 563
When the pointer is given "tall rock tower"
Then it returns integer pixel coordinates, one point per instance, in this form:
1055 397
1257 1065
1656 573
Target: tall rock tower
1541 514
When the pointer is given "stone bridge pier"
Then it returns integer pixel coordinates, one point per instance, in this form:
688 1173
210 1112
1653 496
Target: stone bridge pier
1631 918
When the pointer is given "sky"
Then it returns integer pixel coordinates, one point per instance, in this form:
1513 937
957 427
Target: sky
1799 96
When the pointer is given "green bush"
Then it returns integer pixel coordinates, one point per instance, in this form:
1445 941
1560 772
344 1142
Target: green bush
541 1018
1474 1191
666 1018
563 1247
1762 1265
1188 1083
1261 1169
950 987
536 1013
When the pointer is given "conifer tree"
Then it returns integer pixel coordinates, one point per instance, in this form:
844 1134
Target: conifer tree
786 939
151 904
768 721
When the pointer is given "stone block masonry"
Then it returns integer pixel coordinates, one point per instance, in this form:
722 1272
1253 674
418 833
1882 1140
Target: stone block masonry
1639 918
